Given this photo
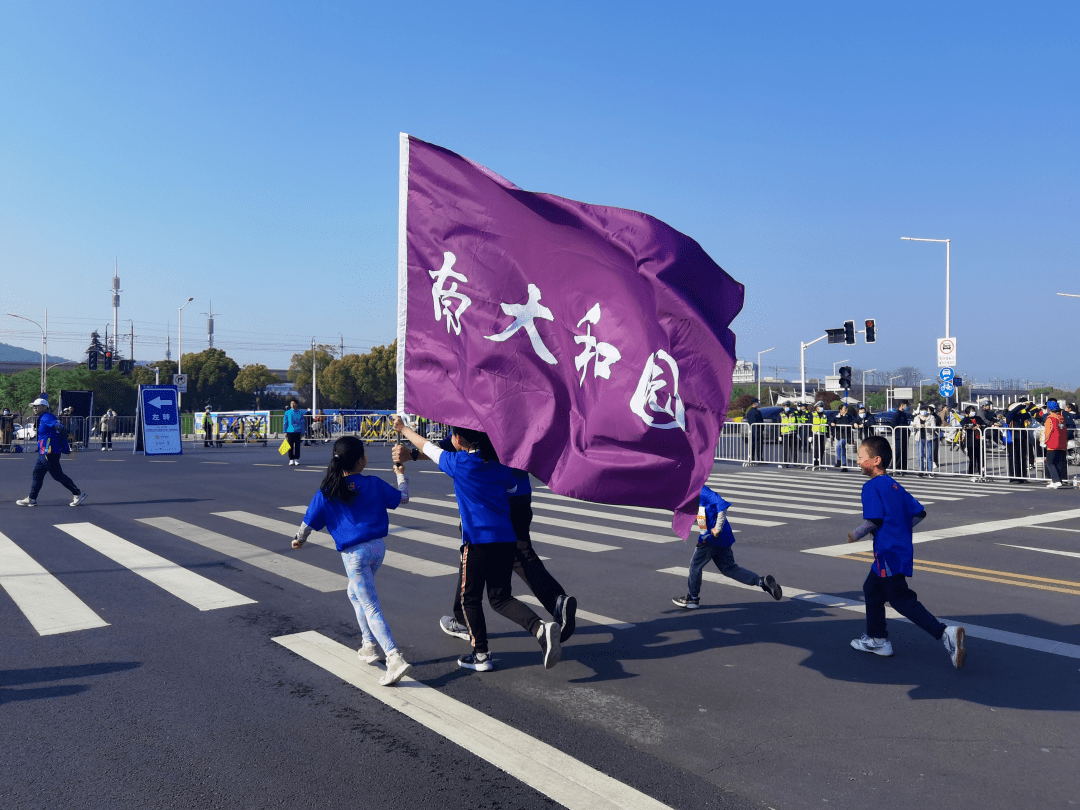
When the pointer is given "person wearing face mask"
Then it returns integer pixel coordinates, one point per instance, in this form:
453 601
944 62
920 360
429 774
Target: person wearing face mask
788 434
756 422
924 428
841 428
973 426
819 431
901 423
989 417
1018 438
864 421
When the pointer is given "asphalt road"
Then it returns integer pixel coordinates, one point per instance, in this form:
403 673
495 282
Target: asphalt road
743 703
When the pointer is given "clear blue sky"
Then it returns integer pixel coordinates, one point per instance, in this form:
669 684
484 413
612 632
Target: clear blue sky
247 152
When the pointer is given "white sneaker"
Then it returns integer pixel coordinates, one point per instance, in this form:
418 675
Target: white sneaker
877 646
369 652
550 643
78 499
396 667
103 449
1054 485
953 639
26 502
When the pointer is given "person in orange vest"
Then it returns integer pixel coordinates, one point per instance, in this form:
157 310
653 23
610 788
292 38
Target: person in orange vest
1057 443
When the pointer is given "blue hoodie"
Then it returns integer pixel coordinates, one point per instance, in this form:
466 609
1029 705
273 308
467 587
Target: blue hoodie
48 436
710 505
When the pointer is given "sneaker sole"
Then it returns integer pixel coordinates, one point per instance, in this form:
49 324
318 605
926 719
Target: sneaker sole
391 678
961 653
861 648
553 649
487 666
686 605
568 619
462 636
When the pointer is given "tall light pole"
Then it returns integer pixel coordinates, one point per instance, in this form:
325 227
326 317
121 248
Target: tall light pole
802 360
44 342
763 351
864 383
314 389
180 345
888 388
924 379
948 245
838 362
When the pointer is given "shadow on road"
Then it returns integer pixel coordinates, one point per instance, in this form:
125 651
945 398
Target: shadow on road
37 675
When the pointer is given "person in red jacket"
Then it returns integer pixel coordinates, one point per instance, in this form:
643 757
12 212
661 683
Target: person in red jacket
1057 444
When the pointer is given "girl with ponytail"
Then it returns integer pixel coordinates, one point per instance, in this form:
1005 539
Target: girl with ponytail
352 508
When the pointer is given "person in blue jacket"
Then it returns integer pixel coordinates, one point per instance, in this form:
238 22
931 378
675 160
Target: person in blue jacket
352 508
52 442
714 543
295 424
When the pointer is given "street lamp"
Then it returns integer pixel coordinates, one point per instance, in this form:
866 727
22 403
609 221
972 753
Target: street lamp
948 245
925 379
1070 295
44 342
888 388
834 365
180 346
864 383
763 351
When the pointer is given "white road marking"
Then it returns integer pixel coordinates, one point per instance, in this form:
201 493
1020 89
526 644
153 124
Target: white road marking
595 618
205 462
973 630
1057 529
946 534
1046 550
308 575
402 562
784 483
565 542
45 601
561 778
198 591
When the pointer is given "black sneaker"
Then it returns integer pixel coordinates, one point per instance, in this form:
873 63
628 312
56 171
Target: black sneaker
566 616
688 602
548 636
481 662
771 587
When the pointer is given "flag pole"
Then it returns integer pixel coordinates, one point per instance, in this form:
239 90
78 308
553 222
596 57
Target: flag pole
403 265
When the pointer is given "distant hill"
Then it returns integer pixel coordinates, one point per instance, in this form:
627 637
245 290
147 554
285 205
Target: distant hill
17 354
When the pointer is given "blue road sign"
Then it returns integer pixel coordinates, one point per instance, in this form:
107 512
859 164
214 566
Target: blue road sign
947 389
946 374
160 420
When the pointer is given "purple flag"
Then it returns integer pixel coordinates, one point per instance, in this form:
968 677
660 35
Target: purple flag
590 343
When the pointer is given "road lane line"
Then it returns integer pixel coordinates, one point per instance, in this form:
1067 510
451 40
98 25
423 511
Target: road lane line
195 589
45 601
1047 550
839 602
566 542
595 618
393 559
779 481
542 767
1003 578
300 572
967 530
1057 529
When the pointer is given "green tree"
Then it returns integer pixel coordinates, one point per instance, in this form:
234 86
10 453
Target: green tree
254 377
376 378
211 380
300 365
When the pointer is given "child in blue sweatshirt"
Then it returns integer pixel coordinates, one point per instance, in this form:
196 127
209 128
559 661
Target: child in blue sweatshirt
714 543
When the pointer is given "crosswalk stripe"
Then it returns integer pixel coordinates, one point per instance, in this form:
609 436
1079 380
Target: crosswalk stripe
740 496
45 601
392 559
780 480
595 513
537 537
405 533
842 603
595 618
645 510
561 778
591 528
195 589
308 575
943 489
734 484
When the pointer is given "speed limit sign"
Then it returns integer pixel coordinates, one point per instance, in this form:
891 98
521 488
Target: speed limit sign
180 381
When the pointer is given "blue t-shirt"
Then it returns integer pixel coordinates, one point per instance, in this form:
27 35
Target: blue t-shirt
358 520
884 499
710 505
483 490
48 436
294 421
524 485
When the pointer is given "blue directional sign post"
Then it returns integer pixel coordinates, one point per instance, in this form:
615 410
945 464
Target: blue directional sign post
947 389
159 420
946 374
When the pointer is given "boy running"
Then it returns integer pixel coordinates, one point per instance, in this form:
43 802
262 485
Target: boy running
889 514
714 543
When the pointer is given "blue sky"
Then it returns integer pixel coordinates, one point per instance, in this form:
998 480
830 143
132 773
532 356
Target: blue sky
247 153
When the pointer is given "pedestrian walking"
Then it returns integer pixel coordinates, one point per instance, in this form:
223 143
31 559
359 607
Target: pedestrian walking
901 423
1057 443
753 418
293 422
353 508
482 487
714 543
841 425
889 514
106 427
52 443
7 431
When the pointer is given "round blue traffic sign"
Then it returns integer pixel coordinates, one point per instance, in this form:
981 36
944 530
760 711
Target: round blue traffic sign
947 389
946 375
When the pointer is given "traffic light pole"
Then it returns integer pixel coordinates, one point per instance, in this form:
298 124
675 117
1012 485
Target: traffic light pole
802 359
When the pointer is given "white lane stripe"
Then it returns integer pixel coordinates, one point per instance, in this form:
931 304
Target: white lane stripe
45 601
196 590
299 572
973 630
561 778
959 531
430 538
565 542
784 483
739 496
1056 528
591 528
1045 550
595 618
402 562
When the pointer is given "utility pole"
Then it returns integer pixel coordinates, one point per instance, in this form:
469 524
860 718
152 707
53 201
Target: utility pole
132 324
342 346
115 304
314 374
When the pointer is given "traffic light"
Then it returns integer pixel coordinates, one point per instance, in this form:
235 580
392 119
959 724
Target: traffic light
845 372
835 335
108 361
849 333
871 330
126 366
91 360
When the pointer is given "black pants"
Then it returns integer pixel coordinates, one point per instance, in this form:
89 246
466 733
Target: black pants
1017 458
900 440
208 435
790 452
974 453
819 449
294 444
106 438
488 567
895 591
50 464
1057 467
